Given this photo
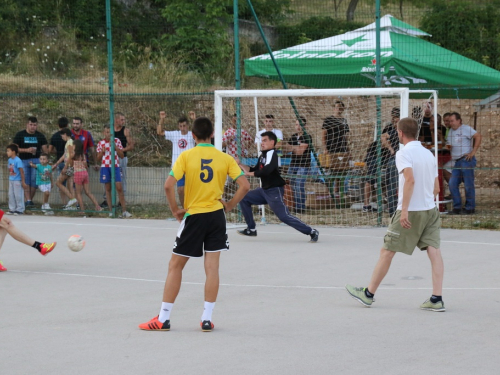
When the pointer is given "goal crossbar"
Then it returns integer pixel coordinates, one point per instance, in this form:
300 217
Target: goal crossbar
402 92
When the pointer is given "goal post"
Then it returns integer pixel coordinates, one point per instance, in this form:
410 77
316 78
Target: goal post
329 189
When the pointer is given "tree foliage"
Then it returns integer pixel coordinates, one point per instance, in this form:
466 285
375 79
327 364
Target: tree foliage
465 28
199 35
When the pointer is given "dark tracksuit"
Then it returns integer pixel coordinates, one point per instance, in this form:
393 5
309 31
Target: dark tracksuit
271 193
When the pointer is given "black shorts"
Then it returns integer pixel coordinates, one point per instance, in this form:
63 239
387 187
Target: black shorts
202 232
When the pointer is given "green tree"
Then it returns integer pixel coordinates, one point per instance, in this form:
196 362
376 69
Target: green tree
199 37
469 29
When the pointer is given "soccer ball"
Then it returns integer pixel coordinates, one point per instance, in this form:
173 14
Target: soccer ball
76 243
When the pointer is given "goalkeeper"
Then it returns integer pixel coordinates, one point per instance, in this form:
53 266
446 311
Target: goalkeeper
271 192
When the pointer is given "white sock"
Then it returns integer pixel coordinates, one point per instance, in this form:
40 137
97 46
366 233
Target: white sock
166 309
208 308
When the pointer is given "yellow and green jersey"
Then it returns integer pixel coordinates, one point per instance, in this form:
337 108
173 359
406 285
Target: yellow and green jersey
206 170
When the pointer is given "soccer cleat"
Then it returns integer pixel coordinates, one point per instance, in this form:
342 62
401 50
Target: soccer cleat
126 214
314 236
248 232
359 295
71 203
2 268
47 248
207 326
429 306
155 325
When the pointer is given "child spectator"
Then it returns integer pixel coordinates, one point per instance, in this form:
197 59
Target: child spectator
81 176
16 181
104 154
67 172
44 180
371 161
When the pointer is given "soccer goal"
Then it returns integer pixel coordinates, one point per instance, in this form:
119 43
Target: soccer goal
332 151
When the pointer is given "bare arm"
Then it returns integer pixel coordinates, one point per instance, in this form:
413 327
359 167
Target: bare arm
407 194
21 171
159 128
45 149
92 151
477 142
120 152
243 188
436 187
297 149
130 141
170 184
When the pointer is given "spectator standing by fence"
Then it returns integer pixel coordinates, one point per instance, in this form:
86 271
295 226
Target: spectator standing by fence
31 144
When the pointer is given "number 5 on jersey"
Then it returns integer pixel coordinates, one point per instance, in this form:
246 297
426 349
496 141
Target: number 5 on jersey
207 173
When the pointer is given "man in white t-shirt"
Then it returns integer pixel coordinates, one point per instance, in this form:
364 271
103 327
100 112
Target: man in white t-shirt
416 222
182 140
269 127
464 142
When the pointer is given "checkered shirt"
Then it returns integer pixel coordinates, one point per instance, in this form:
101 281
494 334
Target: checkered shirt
232 145
106 146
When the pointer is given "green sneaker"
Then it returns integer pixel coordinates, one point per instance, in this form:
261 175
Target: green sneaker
359 295
429 306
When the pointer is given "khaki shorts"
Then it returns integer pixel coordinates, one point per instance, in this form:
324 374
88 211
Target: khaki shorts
424 232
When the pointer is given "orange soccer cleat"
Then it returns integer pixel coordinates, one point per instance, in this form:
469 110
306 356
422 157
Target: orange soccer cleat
47 248
2 268
155 325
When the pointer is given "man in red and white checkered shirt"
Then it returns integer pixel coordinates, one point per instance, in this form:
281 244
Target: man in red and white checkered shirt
230 140
104 154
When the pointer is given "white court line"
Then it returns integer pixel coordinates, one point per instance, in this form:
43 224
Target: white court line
323 235
229 285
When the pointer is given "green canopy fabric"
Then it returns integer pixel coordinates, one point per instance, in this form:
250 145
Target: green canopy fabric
348 60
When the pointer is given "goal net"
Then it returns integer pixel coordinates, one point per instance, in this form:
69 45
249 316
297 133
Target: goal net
336 148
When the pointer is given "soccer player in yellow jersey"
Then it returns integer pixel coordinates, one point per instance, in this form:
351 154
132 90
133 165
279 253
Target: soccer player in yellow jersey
203 221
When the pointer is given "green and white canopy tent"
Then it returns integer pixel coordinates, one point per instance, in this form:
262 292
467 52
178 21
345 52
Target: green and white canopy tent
348 60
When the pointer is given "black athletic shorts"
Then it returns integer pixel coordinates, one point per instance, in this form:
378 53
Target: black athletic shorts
198 232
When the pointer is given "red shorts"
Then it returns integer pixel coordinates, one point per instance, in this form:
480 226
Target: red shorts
81 178
1 214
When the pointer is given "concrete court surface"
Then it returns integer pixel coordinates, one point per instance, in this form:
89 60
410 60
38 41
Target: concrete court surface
282 307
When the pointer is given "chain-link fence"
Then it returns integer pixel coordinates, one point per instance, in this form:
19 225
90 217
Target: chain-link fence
170 55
